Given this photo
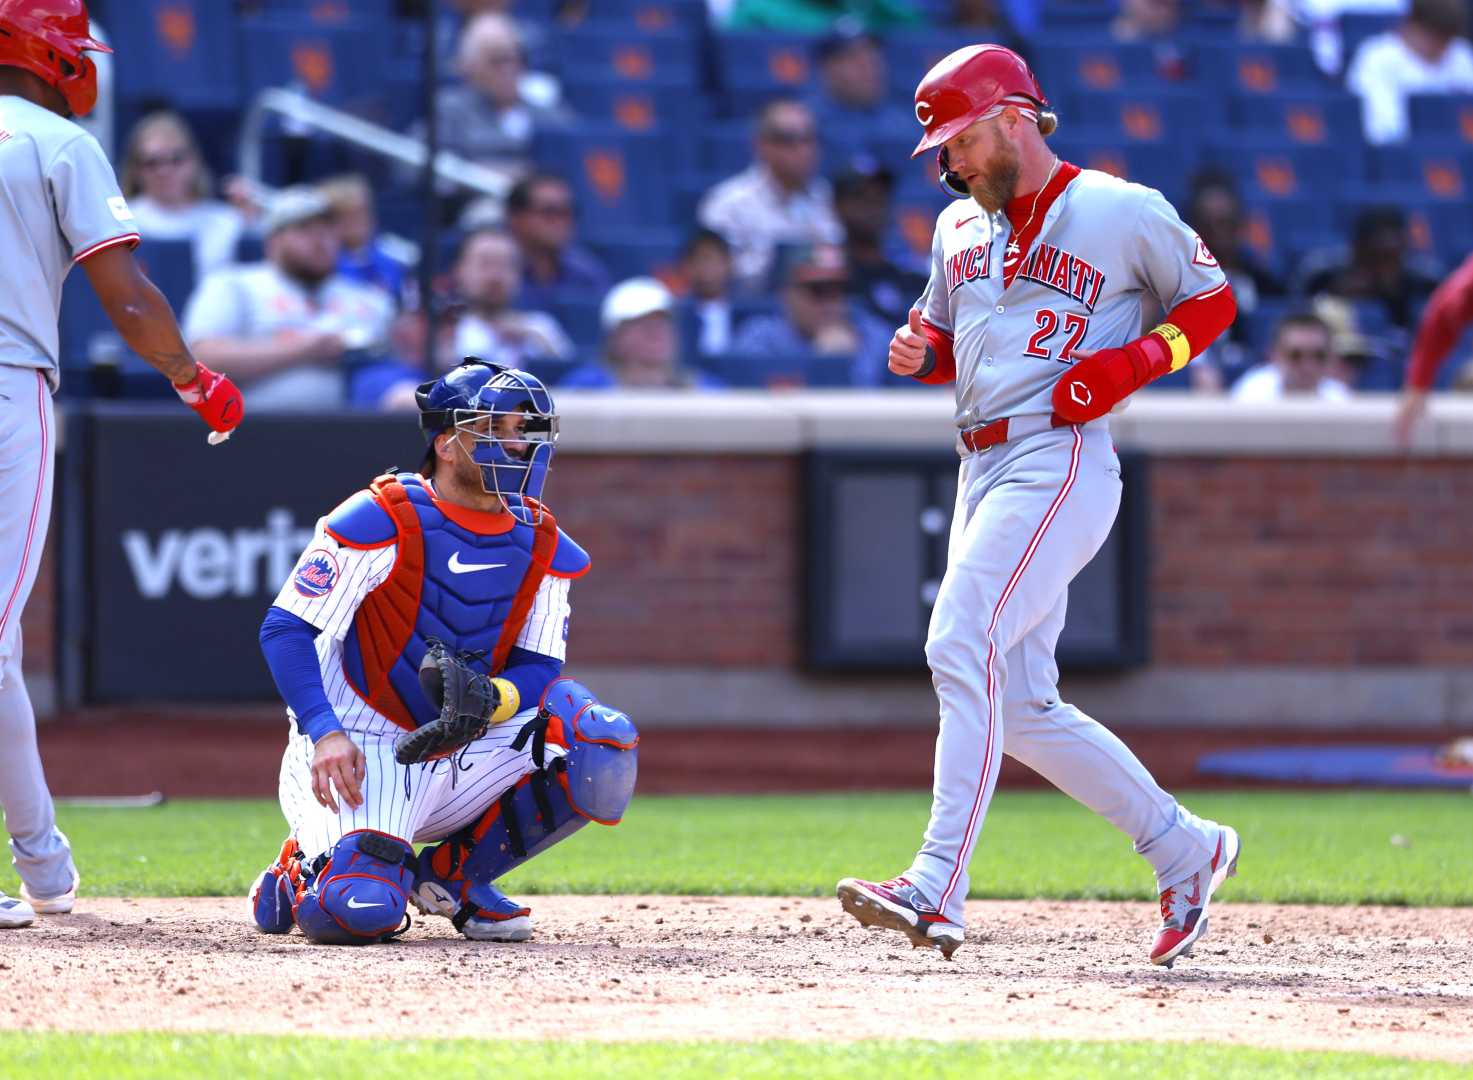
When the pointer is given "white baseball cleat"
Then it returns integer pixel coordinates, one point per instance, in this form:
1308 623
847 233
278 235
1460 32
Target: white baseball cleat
898 904
55 905
15 913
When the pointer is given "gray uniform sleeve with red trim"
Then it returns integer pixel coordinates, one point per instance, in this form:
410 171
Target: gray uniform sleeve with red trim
90 207
1171 261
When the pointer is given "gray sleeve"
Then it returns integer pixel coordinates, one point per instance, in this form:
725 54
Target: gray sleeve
216 310
90 207
1172 263
935 302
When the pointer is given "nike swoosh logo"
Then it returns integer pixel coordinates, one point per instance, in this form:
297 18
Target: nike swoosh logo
355 905
1196 894
974 217
458 567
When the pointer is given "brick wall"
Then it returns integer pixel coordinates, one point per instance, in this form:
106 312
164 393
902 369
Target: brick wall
1315 563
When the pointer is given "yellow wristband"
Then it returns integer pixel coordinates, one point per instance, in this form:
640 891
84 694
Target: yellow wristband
511 700
1176 341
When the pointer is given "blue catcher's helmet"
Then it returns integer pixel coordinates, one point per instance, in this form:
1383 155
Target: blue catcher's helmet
481 398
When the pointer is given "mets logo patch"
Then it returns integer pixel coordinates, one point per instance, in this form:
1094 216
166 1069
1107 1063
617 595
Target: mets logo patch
316 574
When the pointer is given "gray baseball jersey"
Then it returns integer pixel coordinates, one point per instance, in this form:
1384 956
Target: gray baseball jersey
1104 243
59 204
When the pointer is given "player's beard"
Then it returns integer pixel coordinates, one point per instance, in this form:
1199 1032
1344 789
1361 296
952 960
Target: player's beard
997 185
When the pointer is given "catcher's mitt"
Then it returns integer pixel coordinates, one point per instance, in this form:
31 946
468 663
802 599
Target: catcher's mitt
465 699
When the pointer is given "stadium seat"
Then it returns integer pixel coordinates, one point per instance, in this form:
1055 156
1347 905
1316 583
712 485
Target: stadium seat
911 52
1442 116
619 177
632 251
1270 167
612 50
1084 64
332 12
1072 16
341 64
1308 118
1154 115
1280 230
185 52
169 264
1145 163
655 106
1439 169
1257 70
655 15
754 66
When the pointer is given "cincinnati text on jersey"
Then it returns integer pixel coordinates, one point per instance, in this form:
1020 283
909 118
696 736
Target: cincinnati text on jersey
968 265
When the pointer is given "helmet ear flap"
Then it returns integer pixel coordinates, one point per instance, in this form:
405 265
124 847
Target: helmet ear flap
951 183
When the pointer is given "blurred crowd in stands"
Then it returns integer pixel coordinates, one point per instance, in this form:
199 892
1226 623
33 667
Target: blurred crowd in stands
718 193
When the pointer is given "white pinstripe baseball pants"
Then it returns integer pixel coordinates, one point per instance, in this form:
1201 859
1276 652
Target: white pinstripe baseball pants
27 460
1030 514
441 797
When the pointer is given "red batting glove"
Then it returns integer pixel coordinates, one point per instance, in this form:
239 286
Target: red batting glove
217 400
1101 380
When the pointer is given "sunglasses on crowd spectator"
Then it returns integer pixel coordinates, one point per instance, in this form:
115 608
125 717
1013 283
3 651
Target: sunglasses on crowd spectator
160 161
552 209
1297 356
823 290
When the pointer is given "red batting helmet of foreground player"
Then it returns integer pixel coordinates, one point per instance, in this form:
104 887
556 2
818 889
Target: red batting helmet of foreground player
960 89
50 38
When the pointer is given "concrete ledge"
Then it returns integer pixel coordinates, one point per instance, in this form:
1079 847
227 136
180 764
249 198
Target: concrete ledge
1425 701
1163 423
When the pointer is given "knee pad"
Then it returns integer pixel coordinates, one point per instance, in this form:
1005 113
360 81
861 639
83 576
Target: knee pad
359 894
274 895
593 781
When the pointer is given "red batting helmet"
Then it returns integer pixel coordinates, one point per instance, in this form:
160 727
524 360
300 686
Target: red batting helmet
963 87
48 39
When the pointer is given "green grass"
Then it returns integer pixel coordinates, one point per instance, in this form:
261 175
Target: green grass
149 1055
1329 847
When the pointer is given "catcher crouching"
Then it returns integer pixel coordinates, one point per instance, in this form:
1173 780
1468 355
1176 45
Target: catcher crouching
419 646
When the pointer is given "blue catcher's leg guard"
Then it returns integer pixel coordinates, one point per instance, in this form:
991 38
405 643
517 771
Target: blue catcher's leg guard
274 894
359 893
593 781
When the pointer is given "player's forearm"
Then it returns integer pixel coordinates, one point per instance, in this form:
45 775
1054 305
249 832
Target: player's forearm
287 642
1448 314
146 322
531 673
247 358
940 363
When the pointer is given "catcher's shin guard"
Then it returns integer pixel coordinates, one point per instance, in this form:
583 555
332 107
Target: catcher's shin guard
593 781
359 892
274 894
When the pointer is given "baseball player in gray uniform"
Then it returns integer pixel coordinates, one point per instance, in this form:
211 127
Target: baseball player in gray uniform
59 206
1034 309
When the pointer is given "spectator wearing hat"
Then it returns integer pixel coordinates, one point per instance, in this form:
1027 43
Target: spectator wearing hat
541 216
641 349
488 278
882 275
287 328
819 324
779 199
1427 53
1299 364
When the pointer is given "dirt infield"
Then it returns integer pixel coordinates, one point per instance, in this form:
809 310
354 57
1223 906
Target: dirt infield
1384 980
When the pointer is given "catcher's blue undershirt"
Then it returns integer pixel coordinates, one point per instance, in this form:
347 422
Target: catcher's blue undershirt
288 642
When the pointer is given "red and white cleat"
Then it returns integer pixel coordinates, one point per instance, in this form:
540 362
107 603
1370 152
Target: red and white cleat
1184 905
898 905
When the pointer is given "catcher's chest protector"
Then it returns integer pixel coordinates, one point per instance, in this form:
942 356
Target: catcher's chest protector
465 578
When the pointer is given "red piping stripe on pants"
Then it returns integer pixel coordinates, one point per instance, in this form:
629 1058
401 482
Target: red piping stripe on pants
25 557
992 658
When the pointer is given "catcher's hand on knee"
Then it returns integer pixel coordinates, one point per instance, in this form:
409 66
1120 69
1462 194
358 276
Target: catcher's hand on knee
337 763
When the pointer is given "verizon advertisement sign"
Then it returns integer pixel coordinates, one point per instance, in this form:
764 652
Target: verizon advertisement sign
183 546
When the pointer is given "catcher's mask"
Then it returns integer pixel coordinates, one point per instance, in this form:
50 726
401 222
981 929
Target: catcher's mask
511 420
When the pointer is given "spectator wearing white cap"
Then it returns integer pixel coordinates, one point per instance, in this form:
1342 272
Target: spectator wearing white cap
641 348
287 329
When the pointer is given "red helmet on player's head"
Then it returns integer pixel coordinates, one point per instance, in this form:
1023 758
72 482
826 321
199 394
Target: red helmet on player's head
961 88
49 38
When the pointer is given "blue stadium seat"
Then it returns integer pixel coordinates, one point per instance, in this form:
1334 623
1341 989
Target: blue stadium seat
1355 28
725 148
764 65
668 108
1442 116
1270 167
1144 163
613 50
1154 115
1309 118
656 15
169 264
633 251
1257 70
1070 65
619 177
1440 169
911 52
755 370
341 64
579 316
185 52
1072 16
1280 230
332 12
